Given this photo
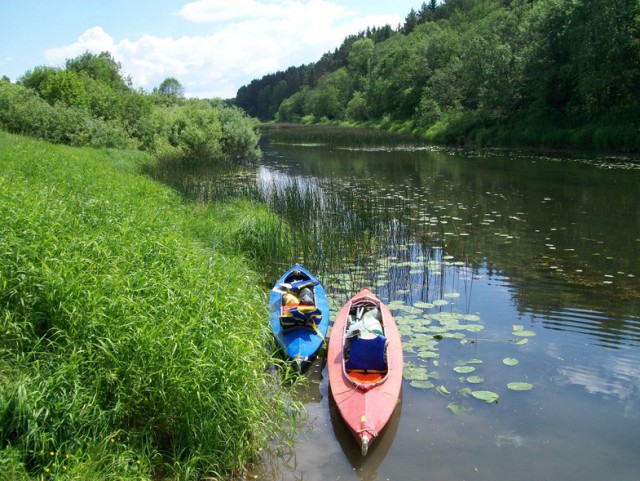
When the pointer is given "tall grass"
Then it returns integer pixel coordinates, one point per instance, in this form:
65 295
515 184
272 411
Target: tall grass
127 349
242 227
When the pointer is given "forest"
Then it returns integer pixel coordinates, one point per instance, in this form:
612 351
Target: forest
539 73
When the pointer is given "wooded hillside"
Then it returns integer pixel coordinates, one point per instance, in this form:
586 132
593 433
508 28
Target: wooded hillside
558 73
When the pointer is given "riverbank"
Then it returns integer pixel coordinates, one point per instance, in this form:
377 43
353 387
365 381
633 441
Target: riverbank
591 142
130 346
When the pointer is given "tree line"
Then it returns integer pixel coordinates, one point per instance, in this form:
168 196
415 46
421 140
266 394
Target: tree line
542 72
91 102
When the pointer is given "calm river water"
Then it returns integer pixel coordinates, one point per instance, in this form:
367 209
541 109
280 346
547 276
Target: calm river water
515 281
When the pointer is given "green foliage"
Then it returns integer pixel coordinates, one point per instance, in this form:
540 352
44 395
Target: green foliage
171 87
101 68
292 109
90 103
23 112
36 78
202 130
66 87
243 228
465 71
124 354
357 108
329 98
359 59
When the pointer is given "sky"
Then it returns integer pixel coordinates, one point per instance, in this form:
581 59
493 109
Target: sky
212 47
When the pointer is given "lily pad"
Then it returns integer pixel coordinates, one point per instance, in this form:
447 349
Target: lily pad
442 390
510 361
520 386
457 408
524 333
423 305
428 355
487 396
475 379
393 305
416 373
410 309
452 335
464 369
473 327
522 341
420 384
440 302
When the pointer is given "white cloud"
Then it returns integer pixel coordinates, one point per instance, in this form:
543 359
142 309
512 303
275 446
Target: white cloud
248 39
95 40
223 10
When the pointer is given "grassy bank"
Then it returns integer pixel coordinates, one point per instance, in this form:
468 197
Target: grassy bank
129 348
469 130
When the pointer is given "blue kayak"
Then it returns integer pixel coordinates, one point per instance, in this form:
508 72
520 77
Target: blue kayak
299 314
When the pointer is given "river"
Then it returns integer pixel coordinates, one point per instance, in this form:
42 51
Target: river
508 273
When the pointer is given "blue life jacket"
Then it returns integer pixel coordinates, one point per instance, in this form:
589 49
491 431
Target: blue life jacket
367 355
297 286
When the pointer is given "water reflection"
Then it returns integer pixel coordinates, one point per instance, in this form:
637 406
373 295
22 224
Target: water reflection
365 467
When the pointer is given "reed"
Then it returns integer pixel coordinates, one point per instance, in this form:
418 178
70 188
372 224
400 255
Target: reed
242 227
129 349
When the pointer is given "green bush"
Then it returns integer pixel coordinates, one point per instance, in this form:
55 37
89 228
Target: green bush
23 112
90 103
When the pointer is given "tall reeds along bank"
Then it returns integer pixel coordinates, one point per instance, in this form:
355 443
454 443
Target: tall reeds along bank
127 349
243 227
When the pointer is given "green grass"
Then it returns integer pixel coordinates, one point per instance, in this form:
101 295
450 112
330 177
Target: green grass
129 349
241 227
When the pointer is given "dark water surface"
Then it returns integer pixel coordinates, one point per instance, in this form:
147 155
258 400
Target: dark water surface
500 268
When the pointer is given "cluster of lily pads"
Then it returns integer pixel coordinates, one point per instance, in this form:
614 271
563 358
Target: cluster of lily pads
422 331
423 325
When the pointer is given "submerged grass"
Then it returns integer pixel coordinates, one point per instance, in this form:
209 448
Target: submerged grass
127 349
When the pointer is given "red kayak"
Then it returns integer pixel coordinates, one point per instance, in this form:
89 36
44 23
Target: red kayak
365 366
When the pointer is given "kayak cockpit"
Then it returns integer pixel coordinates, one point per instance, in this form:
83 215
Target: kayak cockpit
365 345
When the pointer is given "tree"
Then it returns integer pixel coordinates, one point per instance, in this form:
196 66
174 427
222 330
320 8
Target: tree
36 78
67 87
101 67
410 22
357 108
171 87
292 109
329 99
359 58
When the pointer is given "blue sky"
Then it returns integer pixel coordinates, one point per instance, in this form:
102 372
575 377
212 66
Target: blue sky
212 47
